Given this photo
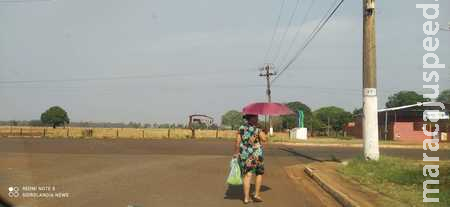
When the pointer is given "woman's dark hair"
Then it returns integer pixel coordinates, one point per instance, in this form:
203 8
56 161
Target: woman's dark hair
248 116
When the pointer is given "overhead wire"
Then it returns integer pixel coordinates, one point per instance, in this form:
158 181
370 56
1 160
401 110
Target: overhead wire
90 79
308 40
286 31
112 78
297 33
23 1
275 30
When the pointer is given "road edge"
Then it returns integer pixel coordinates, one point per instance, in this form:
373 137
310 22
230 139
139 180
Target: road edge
356 145
340 197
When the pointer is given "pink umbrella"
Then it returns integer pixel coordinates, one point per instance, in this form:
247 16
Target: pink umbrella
271 109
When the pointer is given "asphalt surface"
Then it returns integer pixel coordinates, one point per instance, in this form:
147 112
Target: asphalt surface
127 172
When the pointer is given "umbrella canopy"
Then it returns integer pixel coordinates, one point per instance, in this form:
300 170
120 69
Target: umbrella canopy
271 109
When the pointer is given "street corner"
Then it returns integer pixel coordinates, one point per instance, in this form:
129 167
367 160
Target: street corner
344 190
304 183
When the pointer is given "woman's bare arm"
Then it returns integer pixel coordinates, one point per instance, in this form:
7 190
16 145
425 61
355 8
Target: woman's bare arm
237 143
262 137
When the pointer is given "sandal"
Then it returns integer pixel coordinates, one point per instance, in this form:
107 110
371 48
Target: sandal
257 199
246 202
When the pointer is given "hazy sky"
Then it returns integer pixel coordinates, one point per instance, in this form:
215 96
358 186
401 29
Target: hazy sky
159 61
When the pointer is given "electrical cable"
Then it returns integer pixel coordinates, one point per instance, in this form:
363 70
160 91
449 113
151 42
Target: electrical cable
286 31
313 34
274 31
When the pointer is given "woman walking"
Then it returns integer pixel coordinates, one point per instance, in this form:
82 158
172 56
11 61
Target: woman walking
249 151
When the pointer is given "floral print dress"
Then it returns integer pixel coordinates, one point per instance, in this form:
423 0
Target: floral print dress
251 158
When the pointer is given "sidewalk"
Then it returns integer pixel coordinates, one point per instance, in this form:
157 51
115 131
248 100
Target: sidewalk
346 192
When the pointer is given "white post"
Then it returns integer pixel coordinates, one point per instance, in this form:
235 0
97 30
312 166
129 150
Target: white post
370 126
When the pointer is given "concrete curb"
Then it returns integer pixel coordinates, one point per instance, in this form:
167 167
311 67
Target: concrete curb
342 198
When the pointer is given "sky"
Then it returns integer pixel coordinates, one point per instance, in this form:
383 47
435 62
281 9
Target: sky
160 61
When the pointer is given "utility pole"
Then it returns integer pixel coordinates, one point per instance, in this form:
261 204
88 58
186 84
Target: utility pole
328 127
370 105
268 73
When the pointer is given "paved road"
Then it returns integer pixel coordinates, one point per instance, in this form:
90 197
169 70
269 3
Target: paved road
159 172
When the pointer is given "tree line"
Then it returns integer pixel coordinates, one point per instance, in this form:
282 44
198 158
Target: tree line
321 120
318 121
331 118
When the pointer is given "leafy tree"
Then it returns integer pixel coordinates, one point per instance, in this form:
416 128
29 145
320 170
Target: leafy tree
163 126
55 116
277 123
155 125
316 124
14 123
357 111
134 125
214 126
338 117
233 119
291 121
444 96
405 98
36 123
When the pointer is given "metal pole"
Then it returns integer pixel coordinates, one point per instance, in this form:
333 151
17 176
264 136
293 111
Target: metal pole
370 117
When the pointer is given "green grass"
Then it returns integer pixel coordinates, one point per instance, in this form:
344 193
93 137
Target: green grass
318 140
399 179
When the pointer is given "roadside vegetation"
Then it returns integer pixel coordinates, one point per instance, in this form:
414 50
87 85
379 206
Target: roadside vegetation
399 179
327 124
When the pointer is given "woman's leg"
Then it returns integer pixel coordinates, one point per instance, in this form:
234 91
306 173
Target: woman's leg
258 184
247 181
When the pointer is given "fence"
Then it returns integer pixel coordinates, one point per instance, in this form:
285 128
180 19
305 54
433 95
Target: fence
78 132
148 133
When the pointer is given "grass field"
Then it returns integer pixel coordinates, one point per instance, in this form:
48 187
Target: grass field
153 133
173 133
399 179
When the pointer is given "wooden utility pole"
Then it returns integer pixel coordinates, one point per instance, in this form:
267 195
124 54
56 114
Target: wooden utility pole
328 127
267 74
370 105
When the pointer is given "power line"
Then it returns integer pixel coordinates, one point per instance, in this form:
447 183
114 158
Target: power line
297 33
85 89
274 31
277 54
94 79
313 34
129 77
224 86
356 92
23 1
306 42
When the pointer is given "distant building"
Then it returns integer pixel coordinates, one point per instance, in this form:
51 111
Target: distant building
405 123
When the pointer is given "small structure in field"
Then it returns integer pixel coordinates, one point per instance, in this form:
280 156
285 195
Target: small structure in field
199 119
